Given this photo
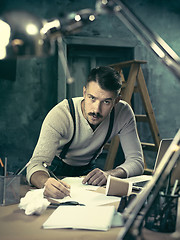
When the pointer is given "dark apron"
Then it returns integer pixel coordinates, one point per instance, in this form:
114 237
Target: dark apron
60 168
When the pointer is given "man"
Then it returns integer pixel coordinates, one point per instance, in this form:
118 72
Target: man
93 111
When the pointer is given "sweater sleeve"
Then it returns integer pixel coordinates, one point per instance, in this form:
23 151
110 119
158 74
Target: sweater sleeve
55 132
129 139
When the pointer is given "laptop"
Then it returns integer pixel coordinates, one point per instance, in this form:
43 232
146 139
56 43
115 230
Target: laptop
164 144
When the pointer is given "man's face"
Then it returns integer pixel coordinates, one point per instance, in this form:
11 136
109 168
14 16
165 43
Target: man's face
97 104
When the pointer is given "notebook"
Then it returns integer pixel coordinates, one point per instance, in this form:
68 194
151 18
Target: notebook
81 217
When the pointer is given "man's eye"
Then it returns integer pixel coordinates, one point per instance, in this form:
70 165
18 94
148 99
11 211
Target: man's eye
107 102
92 98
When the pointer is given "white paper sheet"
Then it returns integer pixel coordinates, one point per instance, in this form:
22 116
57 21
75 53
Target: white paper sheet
85 194
77 182
140 178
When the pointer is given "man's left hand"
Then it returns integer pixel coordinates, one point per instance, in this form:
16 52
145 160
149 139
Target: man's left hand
96 177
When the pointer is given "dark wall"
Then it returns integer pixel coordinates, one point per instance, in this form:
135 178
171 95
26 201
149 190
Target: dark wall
23 105
28 88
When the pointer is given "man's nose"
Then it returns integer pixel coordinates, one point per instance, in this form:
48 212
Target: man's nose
97 107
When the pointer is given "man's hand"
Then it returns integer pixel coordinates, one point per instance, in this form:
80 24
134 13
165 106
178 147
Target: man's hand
96 177
53 188
56 189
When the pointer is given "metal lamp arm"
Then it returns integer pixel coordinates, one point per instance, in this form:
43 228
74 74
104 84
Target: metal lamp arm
153 41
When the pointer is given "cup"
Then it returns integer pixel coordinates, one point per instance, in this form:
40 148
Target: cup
9 189
163 214
118 187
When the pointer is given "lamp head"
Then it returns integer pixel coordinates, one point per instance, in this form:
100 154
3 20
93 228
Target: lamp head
21 35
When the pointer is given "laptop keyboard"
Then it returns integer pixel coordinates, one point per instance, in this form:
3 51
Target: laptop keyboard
140 184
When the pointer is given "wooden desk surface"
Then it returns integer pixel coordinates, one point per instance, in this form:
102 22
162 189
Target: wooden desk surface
15 225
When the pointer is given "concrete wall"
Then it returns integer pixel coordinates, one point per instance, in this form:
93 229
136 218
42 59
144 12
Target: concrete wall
162 17
32 89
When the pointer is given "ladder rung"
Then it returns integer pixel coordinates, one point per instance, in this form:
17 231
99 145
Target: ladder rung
149 146
127 63
141 118
124 84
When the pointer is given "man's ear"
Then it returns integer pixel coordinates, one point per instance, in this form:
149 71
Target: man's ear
117 99
84 91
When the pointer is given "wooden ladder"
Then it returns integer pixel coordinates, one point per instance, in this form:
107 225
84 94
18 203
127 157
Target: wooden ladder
135 83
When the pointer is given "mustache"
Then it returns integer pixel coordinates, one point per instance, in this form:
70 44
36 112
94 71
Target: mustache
98 115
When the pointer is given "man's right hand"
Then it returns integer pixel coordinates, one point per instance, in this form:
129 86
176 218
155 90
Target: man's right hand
56 189
53 188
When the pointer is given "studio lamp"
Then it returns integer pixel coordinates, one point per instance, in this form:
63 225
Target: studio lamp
23 34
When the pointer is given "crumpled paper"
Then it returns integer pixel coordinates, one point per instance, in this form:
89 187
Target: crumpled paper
34 202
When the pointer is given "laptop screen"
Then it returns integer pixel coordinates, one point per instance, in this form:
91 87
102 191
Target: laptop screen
164 144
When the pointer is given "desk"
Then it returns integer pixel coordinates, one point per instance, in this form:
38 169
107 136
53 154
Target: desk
15 225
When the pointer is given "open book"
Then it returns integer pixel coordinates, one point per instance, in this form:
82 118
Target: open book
81 217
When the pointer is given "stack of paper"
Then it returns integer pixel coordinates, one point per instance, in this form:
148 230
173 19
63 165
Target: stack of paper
92 216
81 217
85 194
140 178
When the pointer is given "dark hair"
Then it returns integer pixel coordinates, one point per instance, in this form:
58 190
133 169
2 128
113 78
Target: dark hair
107 77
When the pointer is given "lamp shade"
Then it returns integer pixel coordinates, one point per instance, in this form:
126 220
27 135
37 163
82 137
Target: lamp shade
23 34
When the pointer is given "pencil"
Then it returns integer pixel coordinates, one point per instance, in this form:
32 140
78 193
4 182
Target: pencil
1 162
1 167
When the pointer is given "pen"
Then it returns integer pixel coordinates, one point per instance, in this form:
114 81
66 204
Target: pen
51 173
68 203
